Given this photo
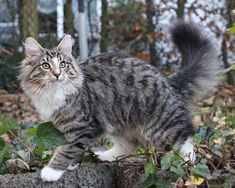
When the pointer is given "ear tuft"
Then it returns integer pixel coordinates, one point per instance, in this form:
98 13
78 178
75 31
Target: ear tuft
32 47
66 45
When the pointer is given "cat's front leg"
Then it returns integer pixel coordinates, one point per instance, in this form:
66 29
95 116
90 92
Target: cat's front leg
61 160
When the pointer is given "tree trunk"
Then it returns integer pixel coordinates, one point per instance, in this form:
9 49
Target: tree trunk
104 26
68 22
180 9
180 15
230 5
28 19
150 12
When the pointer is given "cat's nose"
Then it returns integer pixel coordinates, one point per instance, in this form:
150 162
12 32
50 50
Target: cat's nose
56 74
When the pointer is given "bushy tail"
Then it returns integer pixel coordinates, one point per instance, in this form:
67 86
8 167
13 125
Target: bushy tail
200 75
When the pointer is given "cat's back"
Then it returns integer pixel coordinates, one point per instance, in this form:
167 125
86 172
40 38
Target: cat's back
121 65
121 76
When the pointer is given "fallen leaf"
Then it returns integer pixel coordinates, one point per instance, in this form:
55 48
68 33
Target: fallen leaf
194 181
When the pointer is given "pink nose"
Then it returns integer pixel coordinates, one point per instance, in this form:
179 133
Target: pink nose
56 75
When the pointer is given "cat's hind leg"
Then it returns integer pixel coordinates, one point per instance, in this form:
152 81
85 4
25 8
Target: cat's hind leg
122 147
176 133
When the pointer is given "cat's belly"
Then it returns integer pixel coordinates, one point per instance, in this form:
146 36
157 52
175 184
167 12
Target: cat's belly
133 134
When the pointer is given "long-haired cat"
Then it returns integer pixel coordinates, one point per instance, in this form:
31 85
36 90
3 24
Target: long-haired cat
119 95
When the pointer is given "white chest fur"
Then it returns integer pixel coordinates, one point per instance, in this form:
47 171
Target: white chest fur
49 101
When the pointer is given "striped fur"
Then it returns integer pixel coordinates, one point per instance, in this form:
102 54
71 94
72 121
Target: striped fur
119 95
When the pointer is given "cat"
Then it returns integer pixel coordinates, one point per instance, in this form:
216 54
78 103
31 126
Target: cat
119 95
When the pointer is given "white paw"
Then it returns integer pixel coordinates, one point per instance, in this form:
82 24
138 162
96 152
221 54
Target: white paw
72 167
105 156
189 156
187 152
50 174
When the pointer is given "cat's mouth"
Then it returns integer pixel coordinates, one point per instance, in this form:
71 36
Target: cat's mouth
57 80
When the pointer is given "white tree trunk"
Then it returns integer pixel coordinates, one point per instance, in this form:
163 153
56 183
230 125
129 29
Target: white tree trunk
60 19
82 36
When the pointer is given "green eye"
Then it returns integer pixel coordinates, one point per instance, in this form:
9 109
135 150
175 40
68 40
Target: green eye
45 66
62 64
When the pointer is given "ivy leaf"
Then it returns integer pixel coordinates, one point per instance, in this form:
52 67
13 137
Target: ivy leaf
168 159
201 170
31 131
149 168
231 30
150 182
163 184
232 119
205 132
3 150
6 124
178 170
194 181
48 136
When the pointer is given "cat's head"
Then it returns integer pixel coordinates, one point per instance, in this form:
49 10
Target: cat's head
48 69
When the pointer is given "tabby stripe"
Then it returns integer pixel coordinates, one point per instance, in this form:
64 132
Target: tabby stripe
72 66
65 155
33 69
48 53
78 144
159 116
171 120
85 134
73 129
67 120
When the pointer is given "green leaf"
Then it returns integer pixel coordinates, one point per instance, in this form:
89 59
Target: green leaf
150 182
163 184
228 183
48 136
3 150
201 170
168 159
39 151
6 124
197 139
231 30
205 132
31 131
232 119
153 182
149 168
178 170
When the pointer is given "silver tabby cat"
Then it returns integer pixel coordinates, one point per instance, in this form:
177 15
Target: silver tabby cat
119 95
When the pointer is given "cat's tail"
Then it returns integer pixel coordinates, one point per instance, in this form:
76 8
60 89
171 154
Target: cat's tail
200 75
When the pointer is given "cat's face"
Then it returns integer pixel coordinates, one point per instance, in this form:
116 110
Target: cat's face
53 67
45 69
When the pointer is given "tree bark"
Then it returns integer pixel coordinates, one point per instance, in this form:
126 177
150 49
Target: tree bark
180 15
150 12
68 22
28 19
104 26
230 5
180 9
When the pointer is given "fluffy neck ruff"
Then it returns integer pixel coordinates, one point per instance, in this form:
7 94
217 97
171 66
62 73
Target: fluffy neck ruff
52 97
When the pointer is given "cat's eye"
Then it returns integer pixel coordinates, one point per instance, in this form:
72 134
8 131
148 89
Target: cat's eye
62 64
45 66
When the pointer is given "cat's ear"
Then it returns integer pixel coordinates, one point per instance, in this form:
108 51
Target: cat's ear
66 45
32 47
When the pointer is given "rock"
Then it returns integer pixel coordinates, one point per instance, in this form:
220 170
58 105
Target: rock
8 103
92 175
